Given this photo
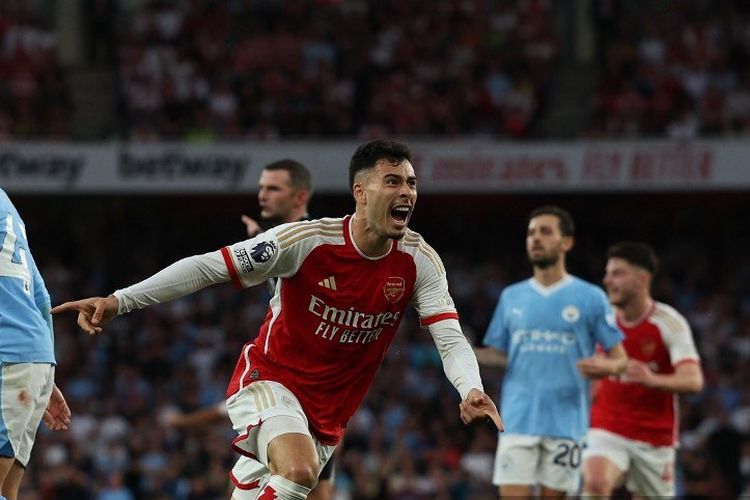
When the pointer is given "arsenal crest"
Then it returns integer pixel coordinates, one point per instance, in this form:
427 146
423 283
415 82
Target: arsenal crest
394 289
648 347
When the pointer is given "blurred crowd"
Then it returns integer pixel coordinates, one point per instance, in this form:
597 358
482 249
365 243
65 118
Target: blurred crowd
406 441
676 69
201 70
33 98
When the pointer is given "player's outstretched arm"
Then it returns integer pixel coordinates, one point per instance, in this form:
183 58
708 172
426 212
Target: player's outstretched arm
92 312
182 278
479 405
57 414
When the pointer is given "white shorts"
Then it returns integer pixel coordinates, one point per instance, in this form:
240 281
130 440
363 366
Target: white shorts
261 412
25 389
648 469
551 462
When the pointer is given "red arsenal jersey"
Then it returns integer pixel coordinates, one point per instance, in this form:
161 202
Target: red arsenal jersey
334 313
662 340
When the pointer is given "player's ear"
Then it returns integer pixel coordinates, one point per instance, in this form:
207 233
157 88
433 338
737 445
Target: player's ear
645 278
302 196
567 243
358 191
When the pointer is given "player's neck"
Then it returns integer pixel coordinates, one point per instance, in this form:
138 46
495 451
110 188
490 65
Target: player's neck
636 310
367 241
548 276
296 215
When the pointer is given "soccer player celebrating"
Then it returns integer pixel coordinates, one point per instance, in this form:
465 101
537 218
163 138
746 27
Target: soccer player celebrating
633 418
343 287
27 356
284 191
544 332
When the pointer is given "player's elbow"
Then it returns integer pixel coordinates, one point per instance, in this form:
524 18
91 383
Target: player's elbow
695 384
689 377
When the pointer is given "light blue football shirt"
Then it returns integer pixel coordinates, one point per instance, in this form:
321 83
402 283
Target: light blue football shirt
545 331
26 334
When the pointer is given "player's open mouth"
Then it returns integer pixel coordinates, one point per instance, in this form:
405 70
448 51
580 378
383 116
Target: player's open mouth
399 213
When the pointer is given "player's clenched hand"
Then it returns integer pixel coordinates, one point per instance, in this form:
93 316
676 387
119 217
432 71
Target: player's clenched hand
596 366
253 228
57 414
92 312
479 405
639 372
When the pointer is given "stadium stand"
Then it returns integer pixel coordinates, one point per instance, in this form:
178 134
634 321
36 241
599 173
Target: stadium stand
677 70
33 98
263 70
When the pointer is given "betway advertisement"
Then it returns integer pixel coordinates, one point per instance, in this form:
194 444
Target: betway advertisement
441 166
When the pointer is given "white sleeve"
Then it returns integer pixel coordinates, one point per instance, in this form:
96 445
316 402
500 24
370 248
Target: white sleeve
264 256
181 278
459 362
676 334
253 261
246 263
431 299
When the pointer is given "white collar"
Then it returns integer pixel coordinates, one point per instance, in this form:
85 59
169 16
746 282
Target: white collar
549 290
356 248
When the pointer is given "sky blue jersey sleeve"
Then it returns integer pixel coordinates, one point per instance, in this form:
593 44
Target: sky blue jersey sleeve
604 326
497 331
41 295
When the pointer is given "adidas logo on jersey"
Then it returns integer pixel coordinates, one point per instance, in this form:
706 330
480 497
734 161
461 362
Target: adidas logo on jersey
329 282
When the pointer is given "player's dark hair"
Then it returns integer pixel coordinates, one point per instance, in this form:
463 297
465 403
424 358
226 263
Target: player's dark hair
567 226
636 253
299 176
367 155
